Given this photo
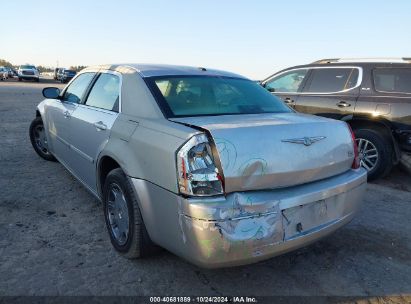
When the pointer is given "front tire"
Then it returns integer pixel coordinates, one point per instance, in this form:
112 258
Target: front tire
375 152
124 222
39 140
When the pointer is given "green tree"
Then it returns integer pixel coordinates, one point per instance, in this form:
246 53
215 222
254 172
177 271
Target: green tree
77 68
5 63
43 69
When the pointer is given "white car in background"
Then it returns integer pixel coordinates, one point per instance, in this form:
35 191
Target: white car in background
4 73
28 72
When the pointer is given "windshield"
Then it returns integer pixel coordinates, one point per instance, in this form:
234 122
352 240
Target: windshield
181 96
27 67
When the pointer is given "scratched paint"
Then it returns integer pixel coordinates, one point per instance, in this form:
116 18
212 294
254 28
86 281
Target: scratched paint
227 152
241 227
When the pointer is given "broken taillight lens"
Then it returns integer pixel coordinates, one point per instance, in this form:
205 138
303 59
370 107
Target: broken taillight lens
197 172
356 162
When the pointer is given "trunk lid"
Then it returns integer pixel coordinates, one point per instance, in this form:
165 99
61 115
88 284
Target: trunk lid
267 151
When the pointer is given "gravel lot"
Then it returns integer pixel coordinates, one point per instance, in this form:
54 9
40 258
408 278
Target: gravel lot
53 240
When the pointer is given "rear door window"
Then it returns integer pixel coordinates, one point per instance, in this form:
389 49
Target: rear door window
75 91
105 93
392 80
288 82
331 80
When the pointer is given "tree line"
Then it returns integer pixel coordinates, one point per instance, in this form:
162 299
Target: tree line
41 68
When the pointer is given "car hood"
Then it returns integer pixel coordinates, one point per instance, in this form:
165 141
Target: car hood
267 151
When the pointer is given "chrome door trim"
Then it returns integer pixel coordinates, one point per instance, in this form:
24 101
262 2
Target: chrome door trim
359 81
82 154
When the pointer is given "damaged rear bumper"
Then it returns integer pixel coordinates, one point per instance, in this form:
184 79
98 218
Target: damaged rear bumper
246 227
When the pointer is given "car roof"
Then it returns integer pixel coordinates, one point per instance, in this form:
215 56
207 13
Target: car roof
359 63
152 70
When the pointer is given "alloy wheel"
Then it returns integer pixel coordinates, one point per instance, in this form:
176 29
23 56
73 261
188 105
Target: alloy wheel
40 139
367 153
118 216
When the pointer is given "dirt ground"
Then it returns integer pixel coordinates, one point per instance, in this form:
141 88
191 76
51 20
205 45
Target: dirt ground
53 239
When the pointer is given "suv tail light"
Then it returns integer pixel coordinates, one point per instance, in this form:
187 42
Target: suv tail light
197 173
356 161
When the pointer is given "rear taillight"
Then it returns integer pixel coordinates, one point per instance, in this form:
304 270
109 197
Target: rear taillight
356 161
197 172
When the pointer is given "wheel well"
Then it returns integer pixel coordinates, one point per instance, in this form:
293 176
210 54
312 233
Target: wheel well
106 165
38 113
378 126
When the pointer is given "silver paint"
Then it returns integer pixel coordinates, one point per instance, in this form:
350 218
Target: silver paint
265 178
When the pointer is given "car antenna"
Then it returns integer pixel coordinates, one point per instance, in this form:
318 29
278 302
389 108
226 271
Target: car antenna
202 69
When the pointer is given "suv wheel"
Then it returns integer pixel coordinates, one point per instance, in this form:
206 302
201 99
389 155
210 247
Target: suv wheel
122 214
375 152
39 140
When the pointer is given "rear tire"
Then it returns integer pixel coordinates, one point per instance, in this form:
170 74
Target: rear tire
19 79
38 140
369 140
136 243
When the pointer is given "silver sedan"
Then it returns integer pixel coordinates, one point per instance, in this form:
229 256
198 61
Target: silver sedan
204 163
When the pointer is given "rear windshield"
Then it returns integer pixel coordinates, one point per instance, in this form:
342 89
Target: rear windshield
182 96
69 71
27 67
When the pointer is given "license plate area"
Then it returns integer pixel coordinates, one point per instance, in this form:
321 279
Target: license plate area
305 219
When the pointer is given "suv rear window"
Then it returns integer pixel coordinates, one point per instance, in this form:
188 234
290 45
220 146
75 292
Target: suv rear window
396 80
330 80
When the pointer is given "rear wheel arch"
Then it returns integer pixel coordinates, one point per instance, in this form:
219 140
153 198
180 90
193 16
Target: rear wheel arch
379 126
383 138
106 164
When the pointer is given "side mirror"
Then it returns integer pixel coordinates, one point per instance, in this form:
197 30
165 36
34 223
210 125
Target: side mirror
271 90
52 93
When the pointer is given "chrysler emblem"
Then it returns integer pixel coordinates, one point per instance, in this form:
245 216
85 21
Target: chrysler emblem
306 141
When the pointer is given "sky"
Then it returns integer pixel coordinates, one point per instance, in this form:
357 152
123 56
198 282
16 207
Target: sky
252 38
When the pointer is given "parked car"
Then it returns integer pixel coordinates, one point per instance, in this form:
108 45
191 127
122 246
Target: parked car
204 163
14 72
372 95
3 73
10 72
66 75
28 72
60 74
56 70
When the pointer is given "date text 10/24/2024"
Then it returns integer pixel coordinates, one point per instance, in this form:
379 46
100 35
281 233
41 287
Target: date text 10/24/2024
205 299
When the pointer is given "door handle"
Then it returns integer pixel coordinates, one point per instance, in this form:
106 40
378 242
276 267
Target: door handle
343 104
100 126
66 114
288 100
